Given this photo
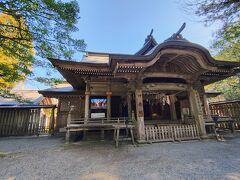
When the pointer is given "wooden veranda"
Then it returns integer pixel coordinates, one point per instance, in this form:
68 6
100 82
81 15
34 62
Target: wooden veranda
102 124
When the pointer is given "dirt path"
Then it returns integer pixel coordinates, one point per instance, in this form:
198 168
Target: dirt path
50 158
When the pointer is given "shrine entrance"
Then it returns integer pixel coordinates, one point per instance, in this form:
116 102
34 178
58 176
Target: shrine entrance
163 100
157 109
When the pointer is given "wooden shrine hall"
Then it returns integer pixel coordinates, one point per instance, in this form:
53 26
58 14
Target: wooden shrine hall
158 91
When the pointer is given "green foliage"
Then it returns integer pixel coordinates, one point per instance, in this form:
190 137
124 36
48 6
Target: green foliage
226 11
50 24
230 88
228 42
49 81
227 14
44 25
13 68
227 38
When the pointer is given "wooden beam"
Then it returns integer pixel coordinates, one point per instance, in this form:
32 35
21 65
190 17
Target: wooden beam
197 56
164 86
164 74
152 62
199 59
168 61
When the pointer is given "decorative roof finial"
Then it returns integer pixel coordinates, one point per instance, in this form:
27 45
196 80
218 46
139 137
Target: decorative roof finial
149 36
177 35
181 29
151 32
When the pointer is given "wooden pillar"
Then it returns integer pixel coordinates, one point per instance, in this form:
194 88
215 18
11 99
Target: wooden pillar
173 108
52 121
139 112
58 118
196 110
109 94
86 113
87 97
129 103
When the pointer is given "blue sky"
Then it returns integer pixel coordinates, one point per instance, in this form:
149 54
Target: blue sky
121 26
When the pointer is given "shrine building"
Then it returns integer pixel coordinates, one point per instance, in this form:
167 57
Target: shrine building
161 84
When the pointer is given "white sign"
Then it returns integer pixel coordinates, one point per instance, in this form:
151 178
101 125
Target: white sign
97 115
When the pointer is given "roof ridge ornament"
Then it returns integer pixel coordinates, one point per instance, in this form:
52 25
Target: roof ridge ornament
151 32
149 36
178 35
181 29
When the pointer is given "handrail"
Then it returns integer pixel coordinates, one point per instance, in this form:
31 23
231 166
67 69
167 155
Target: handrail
103 118
217 118
117 120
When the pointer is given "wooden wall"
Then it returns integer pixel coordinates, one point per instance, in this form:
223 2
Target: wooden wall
64 108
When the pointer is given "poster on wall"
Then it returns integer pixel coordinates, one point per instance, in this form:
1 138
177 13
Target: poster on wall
98 103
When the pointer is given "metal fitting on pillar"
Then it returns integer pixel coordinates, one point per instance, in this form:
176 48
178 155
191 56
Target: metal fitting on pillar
109 94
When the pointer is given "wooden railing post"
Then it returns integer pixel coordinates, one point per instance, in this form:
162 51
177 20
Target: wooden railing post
51 130
69 118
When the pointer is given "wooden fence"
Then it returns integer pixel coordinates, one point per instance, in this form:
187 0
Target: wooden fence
23 120
227 109
171 132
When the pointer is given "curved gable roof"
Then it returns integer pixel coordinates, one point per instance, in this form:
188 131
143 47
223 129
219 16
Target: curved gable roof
176 55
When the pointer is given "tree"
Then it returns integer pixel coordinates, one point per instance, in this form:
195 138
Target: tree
13 68
227 42
227 14
49 24
230 88
227 38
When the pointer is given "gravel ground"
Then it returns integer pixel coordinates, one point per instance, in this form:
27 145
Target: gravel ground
49 158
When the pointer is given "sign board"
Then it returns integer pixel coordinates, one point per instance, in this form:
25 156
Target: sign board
97 115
